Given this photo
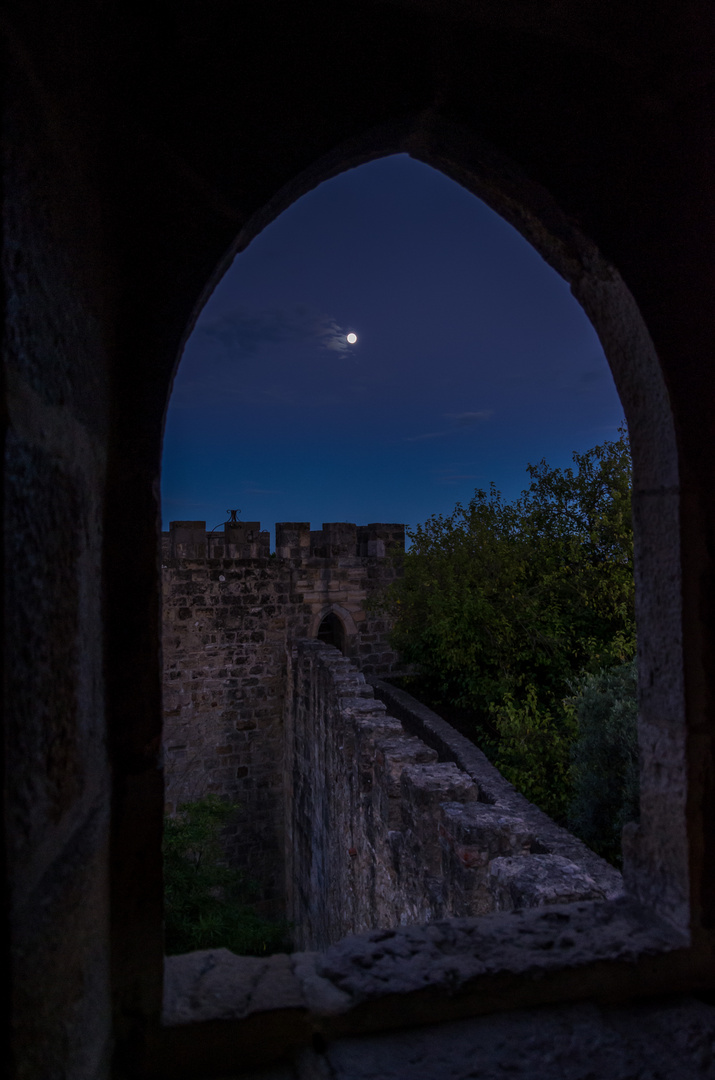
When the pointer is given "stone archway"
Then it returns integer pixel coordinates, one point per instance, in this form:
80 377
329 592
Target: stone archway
336 626
656 867
332 632
130 171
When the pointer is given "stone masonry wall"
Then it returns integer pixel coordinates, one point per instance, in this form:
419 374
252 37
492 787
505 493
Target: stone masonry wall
224 663
231 611
381 833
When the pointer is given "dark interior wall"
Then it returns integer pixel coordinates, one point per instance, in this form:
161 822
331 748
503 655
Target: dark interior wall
143 145
56 374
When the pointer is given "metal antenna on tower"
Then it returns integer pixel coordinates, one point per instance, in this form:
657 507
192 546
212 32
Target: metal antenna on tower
233 520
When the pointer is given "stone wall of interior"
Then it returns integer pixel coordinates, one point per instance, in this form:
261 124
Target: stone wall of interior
230 611
380 832
56 411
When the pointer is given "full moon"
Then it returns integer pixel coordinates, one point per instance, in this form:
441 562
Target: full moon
352 338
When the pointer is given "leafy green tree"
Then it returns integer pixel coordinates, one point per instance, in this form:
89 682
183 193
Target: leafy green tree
605 760
533 749
206 902
506 607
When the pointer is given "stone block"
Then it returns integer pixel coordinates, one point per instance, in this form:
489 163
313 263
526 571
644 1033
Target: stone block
392 755
426 786
478 832
293 540
187 539
527 881
339 539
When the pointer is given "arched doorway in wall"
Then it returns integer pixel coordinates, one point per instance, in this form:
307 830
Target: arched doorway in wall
332 632
329 338
335 626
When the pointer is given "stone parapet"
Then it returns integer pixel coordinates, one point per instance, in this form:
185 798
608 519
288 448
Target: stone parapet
495 790
381 833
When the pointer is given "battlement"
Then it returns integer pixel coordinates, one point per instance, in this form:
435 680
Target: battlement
230 615
295 541
237 540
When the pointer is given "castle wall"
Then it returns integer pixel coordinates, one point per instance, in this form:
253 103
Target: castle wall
230 613
224 640
381 833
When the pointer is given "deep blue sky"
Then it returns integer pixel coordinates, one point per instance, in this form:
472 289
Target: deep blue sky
472 359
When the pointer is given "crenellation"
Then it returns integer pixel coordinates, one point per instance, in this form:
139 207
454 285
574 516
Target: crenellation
293 540
187 540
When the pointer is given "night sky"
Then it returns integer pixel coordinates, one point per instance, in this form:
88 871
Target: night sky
472 359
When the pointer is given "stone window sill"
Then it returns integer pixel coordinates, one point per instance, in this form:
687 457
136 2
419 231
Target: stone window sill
217 1003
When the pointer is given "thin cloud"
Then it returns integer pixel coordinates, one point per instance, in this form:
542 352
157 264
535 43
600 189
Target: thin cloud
239 332
332 336
460 420
451 466
467 419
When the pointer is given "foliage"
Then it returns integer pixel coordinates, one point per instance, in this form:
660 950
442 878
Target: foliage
533 750
505 607
605 760
205 901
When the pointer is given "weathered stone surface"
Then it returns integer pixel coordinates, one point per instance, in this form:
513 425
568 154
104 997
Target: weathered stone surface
478 832
494 789
665 1039
422 974
662 1040
432 784
531 880
391 757
452 953
472 835
380 834
215 984
229 615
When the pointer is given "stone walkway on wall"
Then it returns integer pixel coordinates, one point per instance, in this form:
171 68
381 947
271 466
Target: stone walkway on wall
394 819
557 860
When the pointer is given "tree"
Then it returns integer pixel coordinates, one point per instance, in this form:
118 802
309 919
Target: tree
605 760
506 607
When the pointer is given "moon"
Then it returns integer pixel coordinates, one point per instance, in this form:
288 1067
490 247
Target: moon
352 338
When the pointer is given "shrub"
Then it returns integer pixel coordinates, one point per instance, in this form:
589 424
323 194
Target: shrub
533 750
605 760
206 902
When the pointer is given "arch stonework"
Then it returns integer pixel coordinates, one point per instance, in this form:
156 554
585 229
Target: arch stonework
141 150
342 613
